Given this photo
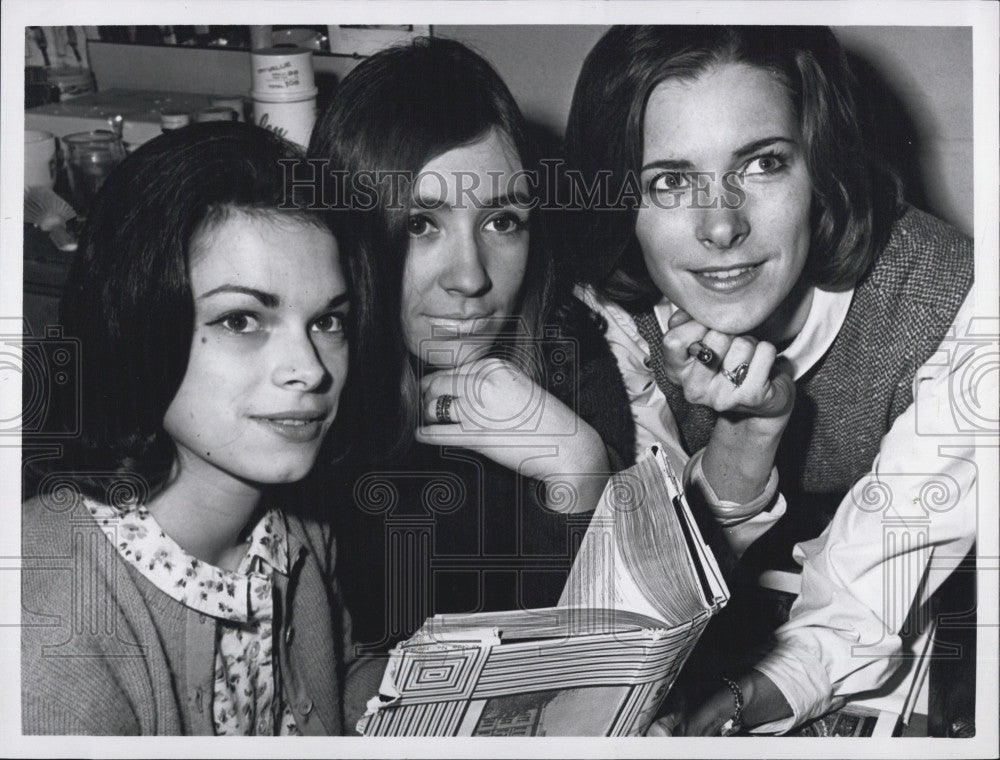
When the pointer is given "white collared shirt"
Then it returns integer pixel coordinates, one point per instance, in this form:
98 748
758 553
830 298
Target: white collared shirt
842 635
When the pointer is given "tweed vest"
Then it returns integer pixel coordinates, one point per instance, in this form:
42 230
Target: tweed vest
849 399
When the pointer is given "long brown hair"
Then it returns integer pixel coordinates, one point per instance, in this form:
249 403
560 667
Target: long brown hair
396 111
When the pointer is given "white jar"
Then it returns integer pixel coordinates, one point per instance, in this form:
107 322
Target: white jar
289 115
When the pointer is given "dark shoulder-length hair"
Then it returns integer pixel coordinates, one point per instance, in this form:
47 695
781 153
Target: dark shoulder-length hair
128 299
855 196
395 112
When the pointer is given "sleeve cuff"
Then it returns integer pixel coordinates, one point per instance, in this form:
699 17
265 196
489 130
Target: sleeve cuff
805 687
729 513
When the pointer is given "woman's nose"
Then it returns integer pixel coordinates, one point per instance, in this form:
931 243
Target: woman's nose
297 363
722 227
465 272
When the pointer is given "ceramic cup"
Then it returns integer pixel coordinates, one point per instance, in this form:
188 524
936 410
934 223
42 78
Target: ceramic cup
39 159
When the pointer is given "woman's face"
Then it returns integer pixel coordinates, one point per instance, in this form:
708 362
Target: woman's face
724 224
468 250
269 355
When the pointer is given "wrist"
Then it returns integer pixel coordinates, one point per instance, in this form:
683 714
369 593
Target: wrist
748 430
582 467
763 701
735 466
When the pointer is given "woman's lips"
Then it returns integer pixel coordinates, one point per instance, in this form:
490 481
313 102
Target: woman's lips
727 280
457 326
294 429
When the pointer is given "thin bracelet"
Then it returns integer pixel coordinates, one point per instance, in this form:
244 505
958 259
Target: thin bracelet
735 724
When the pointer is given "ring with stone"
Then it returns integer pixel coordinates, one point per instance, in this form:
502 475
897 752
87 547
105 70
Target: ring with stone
442 409
738 375
702 353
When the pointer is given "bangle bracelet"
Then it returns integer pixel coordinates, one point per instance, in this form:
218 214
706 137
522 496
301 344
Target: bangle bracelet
735 724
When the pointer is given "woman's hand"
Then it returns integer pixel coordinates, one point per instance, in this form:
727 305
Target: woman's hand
765 389
752 414
763 703
493 408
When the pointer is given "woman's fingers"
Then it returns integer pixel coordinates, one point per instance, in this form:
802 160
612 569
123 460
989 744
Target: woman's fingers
706 356
768 389
676 342
678 318
659 728
727 373
780 396
439 399
487 394
671 724
700 378
758 359
442 409
735 365
709 718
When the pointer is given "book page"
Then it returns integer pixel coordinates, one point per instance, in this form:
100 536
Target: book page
634 555
541 623
599 578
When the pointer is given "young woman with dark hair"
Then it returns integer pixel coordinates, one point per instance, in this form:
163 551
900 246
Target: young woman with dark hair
747 226
211 325
489 403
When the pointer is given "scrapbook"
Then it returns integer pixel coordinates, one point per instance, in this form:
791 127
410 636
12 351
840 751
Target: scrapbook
641 590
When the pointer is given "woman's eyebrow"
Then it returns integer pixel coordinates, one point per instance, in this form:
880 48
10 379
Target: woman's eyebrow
269 300
338 300
753 147
674 164
680 165
429 203
515 198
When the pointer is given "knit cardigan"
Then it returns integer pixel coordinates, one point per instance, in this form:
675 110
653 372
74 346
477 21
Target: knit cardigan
103 651
849 399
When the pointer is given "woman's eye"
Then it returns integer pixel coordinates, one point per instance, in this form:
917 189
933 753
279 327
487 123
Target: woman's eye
419 225
329 323
668 181
764 165
239 322
506 223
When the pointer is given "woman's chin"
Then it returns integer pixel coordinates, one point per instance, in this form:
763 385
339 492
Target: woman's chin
730 322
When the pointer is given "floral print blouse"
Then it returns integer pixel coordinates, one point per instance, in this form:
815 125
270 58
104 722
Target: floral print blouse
246 698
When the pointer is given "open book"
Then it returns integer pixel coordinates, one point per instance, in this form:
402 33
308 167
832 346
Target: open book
641 590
